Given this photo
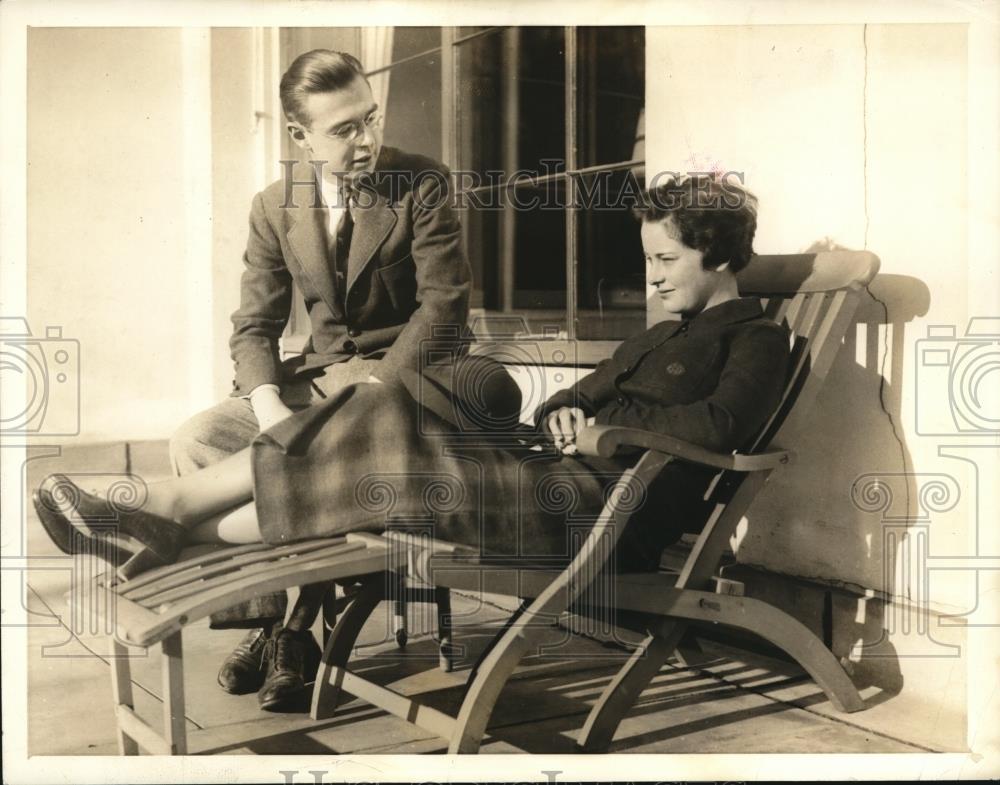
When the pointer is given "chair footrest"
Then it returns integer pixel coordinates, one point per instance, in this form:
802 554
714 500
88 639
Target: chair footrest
160 602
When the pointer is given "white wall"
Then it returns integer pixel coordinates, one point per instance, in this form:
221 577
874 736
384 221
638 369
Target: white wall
108 237
144 155
857 137
235 179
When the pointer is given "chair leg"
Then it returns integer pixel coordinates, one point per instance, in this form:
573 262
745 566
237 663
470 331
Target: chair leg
329 612
174 731
327 689
399 611
624 689
492 644
121 690
446 649
488 678
780 629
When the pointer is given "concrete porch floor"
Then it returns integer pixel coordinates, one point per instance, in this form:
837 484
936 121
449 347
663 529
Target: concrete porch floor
733 703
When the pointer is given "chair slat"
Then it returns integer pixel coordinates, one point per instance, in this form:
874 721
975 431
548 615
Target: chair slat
226 576
190 567
184 577
221 552
284 575
792 311
807 315
825 347
799 365
775 308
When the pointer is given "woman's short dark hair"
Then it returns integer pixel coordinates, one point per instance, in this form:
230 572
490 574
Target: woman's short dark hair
713 215
318 71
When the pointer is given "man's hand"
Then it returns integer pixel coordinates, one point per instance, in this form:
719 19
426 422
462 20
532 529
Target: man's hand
563 425
268 408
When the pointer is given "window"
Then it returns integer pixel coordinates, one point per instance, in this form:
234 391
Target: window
496 100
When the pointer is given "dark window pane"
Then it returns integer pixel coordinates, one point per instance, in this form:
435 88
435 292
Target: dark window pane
541 121
408 41
482 231
540 260
483 131
611 288
611 93
413 109
511 101
518 256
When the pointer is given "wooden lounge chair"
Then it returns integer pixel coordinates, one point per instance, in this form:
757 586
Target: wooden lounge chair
816 296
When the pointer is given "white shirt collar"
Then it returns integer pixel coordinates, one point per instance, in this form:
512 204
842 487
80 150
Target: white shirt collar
331 194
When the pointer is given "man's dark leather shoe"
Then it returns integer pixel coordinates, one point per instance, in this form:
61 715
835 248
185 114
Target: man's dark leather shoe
244 670
294 661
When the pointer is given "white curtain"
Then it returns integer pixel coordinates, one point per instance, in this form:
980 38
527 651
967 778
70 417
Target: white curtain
376 52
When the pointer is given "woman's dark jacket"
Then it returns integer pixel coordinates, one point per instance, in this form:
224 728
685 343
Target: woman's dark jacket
370 457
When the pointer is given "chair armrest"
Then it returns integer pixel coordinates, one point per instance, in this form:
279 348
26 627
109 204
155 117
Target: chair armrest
604 440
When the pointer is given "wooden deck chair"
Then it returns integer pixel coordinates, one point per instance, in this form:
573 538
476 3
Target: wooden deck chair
816 296
154 607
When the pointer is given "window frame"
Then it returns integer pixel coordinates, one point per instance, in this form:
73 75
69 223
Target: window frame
450 42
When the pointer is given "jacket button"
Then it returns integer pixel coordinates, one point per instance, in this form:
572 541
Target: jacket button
353 333
350 346
621 400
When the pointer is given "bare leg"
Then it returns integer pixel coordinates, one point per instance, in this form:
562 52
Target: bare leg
195 498
237 526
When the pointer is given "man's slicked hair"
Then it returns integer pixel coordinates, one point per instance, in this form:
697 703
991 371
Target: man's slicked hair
318 71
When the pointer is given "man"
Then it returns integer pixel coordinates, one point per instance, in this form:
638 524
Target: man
368 236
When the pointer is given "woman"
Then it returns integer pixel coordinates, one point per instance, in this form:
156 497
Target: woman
370 454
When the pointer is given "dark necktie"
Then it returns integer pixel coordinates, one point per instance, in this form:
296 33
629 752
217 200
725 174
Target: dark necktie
341 248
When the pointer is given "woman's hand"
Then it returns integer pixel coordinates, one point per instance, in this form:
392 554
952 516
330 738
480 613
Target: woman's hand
563 425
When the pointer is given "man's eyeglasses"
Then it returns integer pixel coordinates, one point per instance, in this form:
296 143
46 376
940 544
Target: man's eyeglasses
351 132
